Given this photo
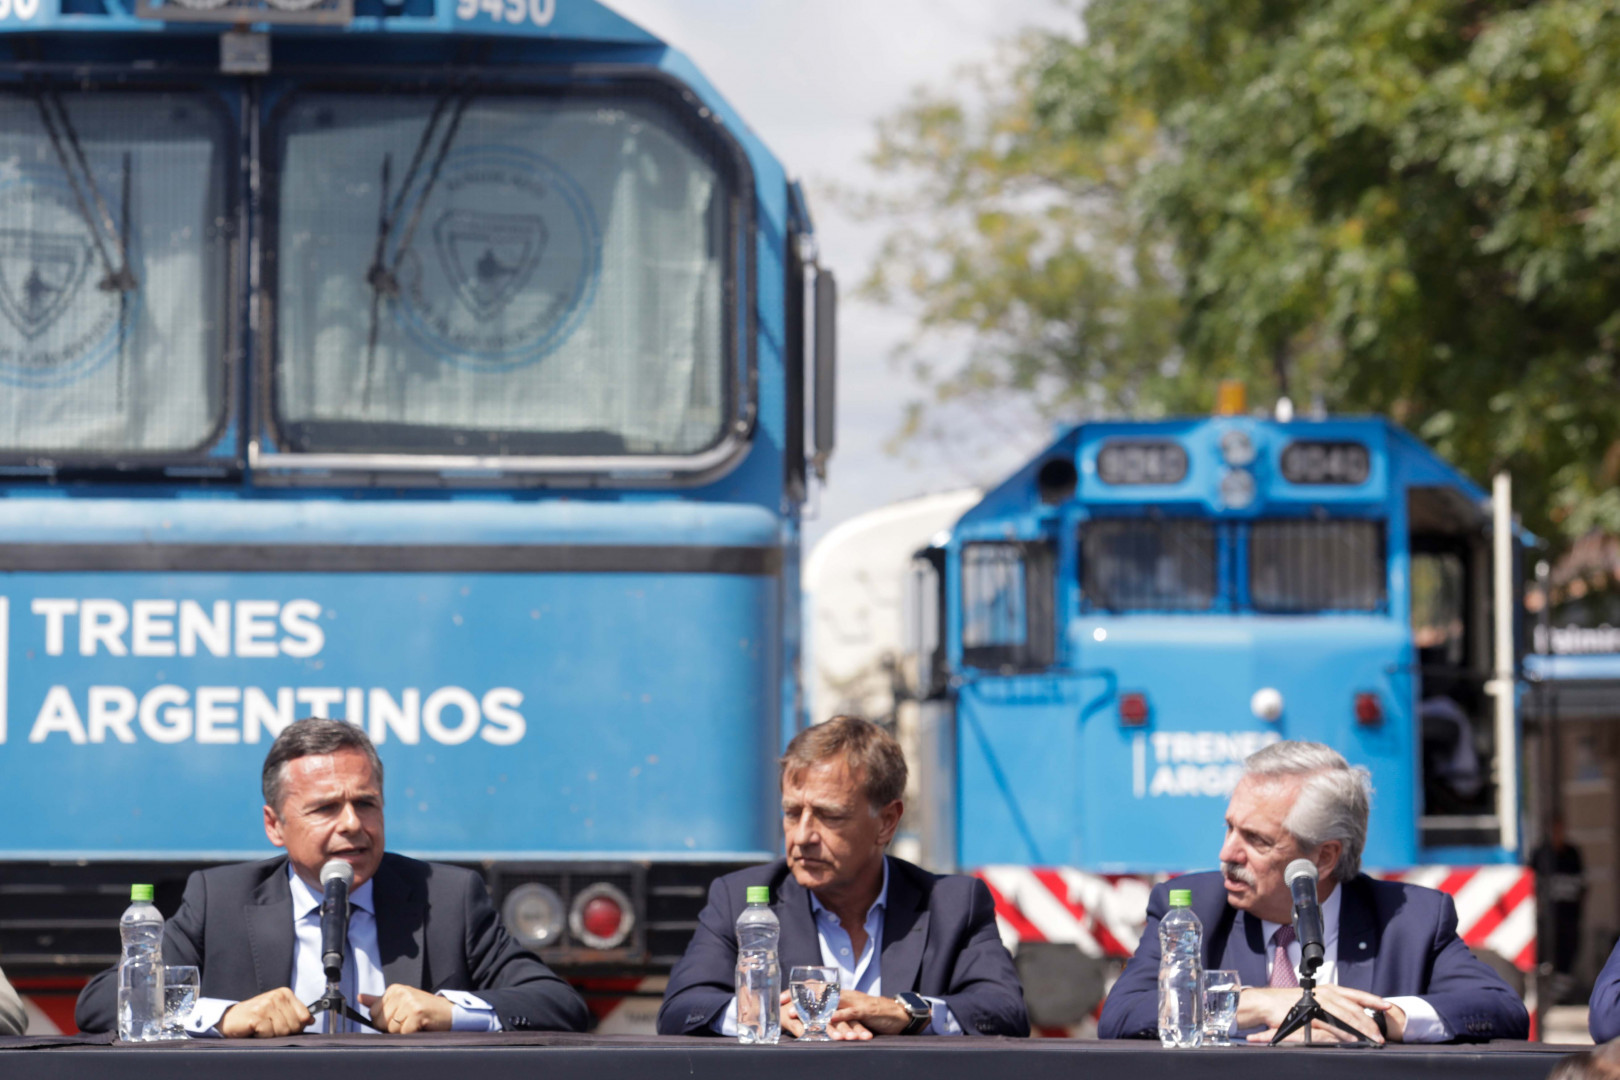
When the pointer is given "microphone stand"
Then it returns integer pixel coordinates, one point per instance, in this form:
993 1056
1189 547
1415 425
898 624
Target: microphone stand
332 1004
334 935
1307 1009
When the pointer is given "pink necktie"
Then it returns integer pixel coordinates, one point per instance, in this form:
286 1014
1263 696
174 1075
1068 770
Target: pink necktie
1282 968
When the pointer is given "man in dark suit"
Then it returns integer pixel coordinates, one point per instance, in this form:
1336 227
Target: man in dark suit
918 953
1394 967
426 950
1603 1010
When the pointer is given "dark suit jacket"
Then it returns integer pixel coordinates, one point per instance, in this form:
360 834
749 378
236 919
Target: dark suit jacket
1395 940
1603 1016
436 930
939 939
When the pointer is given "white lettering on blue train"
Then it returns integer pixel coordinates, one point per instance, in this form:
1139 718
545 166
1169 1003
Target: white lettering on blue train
1188 763
227 715
248 628
217 715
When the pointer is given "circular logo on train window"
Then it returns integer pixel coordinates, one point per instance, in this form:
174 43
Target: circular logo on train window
56 323
504 262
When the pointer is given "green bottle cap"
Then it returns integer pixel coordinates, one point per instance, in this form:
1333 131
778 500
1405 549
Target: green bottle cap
759 894
140 894
1181 898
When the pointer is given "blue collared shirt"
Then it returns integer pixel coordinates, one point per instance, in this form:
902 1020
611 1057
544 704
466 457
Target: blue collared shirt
864 972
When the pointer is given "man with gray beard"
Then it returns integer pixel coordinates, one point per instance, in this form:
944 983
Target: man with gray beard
1394 967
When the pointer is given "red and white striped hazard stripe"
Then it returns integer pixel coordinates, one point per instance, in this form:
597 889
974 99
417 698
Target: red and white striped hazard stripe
1100 914
1103 915
1496 906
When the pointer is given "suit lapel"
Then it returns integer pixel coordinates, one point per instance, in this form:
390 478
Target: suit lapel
270 930
1250 952
401 925
1358 938
800 944
905 931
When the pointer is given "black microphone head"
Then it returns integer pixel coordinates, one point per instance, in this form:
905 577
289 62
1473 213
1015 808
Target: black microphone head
1299 868
337 869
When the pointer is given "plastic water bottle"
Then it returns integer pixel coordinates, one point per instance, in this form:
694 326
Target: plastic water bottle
140 969
759 972
1181 1000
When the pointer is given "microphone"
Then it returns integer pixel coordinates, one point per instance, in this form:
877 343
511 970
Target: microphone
336 876
1301 878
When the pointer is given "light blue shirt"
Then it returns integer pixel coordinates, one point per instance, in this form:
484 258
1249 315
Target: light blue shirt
362 971
864 972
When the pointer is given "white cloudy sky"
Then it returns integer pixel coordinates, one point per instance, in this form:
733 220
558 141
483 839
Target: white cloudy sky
812 78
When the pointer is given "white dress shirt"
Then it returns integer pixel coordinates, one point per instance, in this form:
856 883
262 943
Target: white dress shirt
362 971
863 973
1423 1024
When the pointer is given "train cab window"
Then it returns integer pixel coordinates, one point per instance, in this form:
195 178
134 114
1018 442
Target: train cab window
1009 606
1440 608
115 215
922 634
504 273
1298 566
1148 564
1454 712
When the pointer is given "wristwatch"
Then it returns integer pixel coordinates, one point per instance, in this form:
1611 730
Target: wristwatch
921 1012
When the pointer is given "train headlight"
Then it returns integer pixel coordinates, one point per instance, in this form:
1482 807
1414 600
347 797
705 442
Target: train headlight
533 914
1267 704
601 916
1237 489
1237 449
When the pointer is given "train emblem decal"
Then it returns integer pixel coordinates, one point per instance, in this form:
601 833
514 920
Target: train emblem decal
505 267
488 257
40 274
55 325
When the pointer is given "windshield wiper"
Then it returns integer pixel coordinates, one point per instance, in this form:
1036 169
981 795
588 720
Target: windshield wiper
382 275
119 278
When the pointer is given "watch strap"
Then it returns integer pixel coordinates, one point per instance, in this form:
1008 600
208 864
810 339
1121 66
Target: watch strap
920 1020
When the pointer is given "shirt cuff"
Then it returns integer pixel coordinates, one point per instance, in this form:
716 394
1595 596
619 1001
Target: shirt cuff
469 1012
944 1021
1423 1024
203 1023
726 1023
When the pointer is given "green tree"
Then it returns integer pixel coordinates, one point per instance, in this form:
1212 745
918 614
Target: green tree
1409 207
1019 242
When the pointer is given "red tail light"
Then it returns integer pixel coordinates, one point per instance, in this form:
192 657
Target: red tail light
601 916
1133 709
1369 710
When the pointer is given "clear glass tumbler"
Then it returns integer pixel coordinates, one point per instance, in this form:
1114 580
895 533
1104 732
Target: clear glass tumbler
1221 992
815 997
181 983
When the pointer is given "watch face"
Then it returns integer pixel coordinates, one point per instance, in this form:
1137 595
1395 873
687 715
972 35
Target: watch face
919 1009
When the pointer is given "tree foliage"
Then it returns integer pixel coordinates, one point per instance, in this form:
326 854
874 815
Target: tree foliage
1409 207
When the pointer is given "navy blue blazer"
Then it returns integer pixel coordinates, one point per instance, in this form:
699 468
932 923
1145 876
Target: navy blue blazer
1603 1015
1395 940
436 930
939 940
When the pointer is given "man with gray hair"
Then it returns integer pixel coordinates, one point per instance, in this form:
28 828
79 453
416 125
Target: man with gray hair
1394 967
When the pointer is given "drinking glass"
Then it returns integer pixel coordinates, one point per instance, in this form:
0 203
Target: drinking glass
1221 990
815 997
180 985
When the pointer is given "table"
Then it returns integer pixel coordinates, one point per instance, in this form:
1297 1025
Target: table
550 1056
